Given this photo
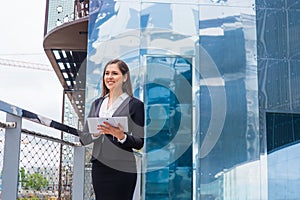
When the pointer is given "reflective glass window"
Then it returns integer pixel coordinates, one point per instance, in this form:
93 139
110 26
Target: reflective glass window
228 152
283 136
168 95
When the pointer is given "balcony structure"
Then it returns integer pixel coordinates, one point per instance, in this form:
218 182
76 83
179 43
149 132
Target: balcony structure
65 44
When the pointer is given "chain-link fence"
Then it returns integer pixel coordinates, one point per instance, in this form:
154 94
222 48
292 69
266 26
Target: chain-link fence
46 167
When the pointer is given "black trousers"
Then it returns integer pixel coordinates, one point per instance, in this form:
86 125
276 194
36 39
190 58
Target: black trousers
111 184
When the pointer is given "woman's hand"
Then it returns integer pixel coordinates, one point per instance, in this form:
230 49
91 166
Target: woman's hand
114 131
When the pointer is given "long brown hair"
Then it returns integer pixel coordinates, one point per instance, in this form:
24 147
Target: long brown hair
127 86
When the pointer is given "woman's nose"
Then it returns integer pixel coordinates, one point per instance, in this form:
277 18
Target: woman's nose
109 75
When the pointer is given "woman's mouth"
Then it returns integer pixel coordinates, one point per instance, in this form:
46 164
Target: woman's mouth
110 82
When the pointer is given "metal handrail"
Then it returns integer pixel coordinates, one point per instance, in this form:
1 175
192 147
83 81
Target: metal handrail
12 150
14 110
50 138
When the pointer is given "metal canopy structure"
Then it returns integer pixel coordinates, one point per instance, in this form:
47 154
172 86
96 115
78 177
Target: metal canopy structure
66 48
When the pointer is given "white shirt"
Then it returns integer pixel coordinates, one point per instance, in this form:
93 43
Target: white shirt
104 112
108 112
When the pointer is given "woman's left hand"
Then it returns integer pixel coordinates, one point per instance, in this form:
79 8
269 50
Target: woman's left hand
112 130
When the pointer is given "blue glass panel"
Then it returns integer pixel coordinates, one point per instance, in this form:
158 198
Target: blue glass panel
296 126
278 61
295 84
293 33
165 31
275 88
283 173
261 75
279 130
228 88
283 158
272 34
261 45
99 13
292 4
168 99
160 15
270 3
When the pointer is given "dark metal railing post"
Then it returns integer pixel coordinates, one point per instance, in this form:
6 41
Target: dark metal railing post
75 9
46 18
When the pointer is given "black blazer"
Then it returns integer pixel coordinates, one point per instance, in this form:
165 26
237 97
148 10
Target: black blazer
106 148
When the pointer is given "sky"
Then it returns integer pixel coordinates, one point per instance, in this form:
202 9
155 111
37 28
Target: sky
22 34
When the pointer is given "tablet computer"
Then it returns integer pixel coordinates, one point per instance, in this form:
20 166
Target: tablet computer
93 122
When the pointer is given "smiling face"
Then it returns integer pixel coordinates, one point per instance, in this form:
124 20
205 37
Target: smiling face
116 75
113 78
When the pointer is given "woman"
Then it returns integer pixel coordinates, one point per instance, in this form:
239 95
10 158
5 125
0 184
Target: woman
113 163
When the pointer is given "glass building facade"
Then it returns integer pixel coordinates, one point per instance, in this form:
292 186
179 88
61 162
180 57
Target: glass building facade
278 26
219 80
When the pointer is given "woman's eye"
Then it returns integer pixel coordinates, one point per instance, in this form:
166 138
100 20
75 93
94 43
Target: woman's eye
111 73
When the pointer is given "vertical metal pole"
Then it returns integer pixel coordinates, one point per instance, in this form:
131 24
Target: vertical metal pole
78 173
60 173
11 158
46 18
60 188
